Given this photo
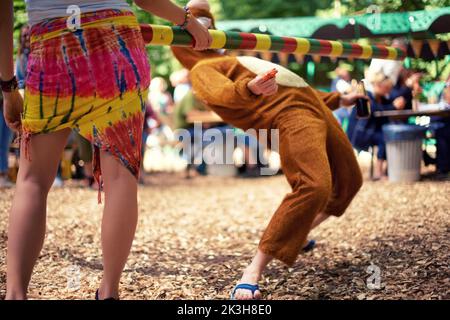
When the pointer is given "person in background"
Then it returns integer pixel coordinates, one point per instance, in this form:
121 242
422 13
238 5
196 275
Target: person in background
187 105
180 81
407 87
365 133
342 79
160 99
441 128
22 56
390 68
342 84
5 138
151 122
85 154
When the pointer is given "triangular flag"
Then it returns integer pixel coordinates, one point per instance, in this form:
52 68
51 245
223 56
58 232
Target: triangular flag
267 55
251 53
434 45
417 47
300 58
284 58
316 58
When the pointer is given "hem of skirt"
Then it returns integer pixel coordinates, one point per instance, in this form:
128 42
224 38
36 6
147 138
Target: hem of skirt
25 138
97 170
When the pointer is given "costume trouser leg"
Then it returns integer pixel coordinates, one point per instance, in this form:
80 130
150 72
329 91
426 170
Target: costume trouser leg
320 165
304 159
346 173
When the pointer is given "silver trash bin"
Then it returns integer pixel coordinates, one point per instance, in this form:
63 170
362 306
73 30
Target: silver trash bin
404 151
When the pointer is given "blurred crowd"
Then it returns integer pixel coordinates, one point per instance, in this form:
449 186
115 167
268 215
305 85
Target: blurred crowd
171 106
390 86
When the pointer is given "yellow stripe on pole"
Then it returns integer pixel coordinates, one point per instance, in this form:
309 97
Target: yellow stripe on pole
263 42
366 52
336 49
392 53
162 36
219 38
303 46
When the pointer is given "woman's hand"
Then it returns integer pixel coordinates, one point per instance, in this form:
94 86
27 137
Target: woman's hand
168 10
263 85
12 109
200 33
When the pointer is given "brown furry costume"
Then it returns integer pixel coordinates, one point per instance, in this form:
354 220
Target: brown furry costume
316 156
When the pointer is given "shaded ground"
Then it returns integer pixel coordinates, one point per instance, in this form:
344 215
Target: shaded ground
195 236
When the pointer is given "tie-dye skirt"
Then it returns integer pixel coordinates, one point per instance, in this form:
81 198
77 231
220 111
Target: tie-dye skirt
93 80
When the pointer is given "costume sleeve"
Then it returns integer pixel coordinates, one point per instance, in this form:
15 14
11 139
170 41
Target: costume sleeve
212 86
331 99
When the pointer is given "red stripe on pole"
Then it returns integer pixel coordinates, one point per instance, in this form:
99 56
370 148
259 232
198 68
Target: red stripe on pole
290 44
383 51
248 41
325 47
357 50
147 33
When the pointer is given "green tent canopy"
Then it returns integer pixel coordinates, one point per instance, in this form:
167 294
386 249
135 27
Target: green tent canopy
421 24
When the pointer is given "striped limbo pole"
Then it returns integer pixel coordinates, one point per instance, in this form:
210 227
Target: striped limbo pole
174 36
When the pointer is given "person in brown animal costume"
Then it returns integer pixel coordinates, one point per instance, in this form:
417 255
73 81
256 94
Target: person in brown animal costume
316 155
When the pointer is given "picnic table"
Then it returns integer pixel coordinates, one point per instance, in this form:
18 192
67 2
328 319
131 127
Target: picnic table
404 114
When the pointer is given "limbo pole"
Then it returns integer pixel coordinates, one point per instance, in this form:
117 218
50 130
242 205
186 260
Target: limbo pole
157 35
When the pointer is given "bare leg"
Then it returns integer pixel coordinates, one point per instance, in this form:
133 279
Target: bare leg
321 217
119 222
380 169
252 274
88 171
28 213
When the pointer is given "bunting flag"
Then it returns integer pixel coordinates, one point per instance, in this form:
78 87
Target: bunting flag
417 47
267 56
316 58
300 58
174 36
284 58
434 46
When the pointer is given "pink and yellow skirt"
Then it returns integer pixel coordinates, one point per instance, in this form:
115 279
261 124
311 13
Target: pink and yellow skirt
93 80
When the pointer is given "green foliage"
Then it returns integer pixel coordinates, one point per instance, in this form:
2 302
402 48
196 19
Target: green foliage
395 5
435 70
163 64
253 9
20 17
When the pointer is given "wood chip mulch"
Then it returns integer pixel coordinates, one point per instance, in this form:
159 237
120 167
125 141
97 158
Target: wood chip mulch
195 236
